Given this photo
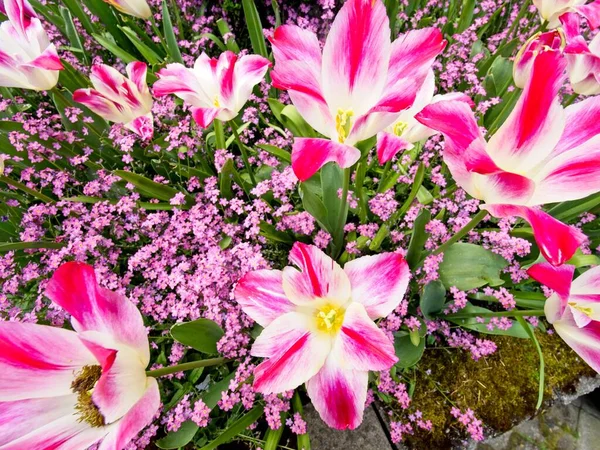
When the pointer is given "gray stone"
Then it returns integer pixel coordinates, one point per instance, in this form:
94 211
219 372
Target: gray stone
588 431
368 436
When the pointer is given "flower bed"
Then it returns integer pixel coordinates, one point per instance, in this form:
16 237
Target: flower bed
214 213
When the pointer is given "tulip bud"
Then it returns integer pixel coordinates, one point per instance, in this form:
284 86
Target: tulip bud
135 8
540 42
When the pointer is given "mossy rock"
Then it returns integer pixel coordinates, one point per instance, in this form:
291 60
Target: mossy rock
501 389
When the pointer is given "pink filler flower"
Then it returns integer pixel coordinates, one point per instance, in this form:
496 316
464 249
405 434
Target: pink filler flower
319 327
71 389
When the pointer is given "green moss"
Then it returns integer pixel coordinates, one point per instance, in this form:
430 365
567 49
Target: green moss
501 389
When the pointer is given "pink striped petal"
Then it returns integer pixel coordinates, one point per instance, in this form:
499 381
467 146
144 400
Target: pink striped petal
295 353
249 71
588 283
556 240
205 116
261 296
309 155
139 416
66 433
225 69
39 361
361 345
412 55
136 71
143 126
389 145
584 341
506 187
20 417
177 79
339 393
356 56
319 276
559 280
378 282
591 12
19 14
98 104
74 287
123 380
48 60
536 123
582 125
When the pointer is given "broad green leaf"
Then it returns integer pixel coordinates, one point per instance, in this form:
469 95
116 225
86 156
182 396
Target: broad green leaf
418 238
172 45
200 334
466 15
432 299
273 234
179 438
499 77
213 394
292 120
332 179
408 354
239 426
255 29
226 179
314 206
469 266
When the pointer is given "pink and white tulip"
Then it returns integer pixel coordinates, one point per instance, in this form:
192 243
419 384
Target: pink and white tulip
357 86
551 10
71 389
574 308
27 58
542 154
406 130
583 60
540 42
319 329
214 88
119 99
135 8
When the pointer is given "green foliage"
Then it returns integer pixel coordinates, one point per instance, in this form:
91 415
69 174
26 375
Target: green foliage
200 334
469 266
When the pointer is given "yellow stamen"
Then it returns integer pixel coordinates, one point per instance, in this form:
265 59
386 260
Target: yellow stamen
330 318
83 386
216 102
400 128
586 310
343 123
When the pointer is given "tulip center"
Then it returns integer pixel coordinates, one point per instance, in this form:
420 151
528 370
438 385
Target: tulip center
399 128
83 386
343 123
216 102
587 311
330 318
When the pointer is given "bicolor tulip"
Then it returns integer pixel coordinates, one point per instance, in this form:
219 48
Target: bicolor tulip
583 60
71 389
574 308
27 58
119 99
551 10
319 329
135 8
542 154
540 42
406 130
356 87
214 88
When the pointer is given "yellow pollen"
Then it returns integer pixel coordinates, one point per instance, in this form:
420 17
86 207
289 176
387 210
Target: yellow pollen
587 311
399 128
330 318
216 102
343 123
83 386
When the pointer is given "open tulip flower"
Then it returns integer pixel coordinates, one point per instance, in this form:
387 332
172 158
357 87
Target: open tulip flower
119 99
406 130
135 8
542 154
215 88
551 10
27 58
583 60
574 307
70 389
356 87
319 327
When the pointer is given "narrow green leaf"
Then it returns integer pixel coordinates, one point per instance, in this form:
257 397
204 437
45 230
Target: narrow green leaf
471 323
239 426
332 179
466 15
303 440
226 31
213 394
273 234
200 334
280 153
432 299
10 246
108 42
226 179
110 22
149 54
418 238
531 333
76 9
179 438
255 29
291 119
172 45
314 206
24 188
149 187
72 34
272 437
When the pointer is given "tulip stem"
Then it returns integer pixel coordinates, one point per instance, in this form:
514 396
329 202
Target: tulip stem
338 238
184 366
462 232
242 148
219 136
513 313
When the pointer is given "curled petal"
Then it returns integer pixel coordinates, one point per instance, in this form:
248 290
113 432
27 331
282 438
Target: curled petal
309 155
389 145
